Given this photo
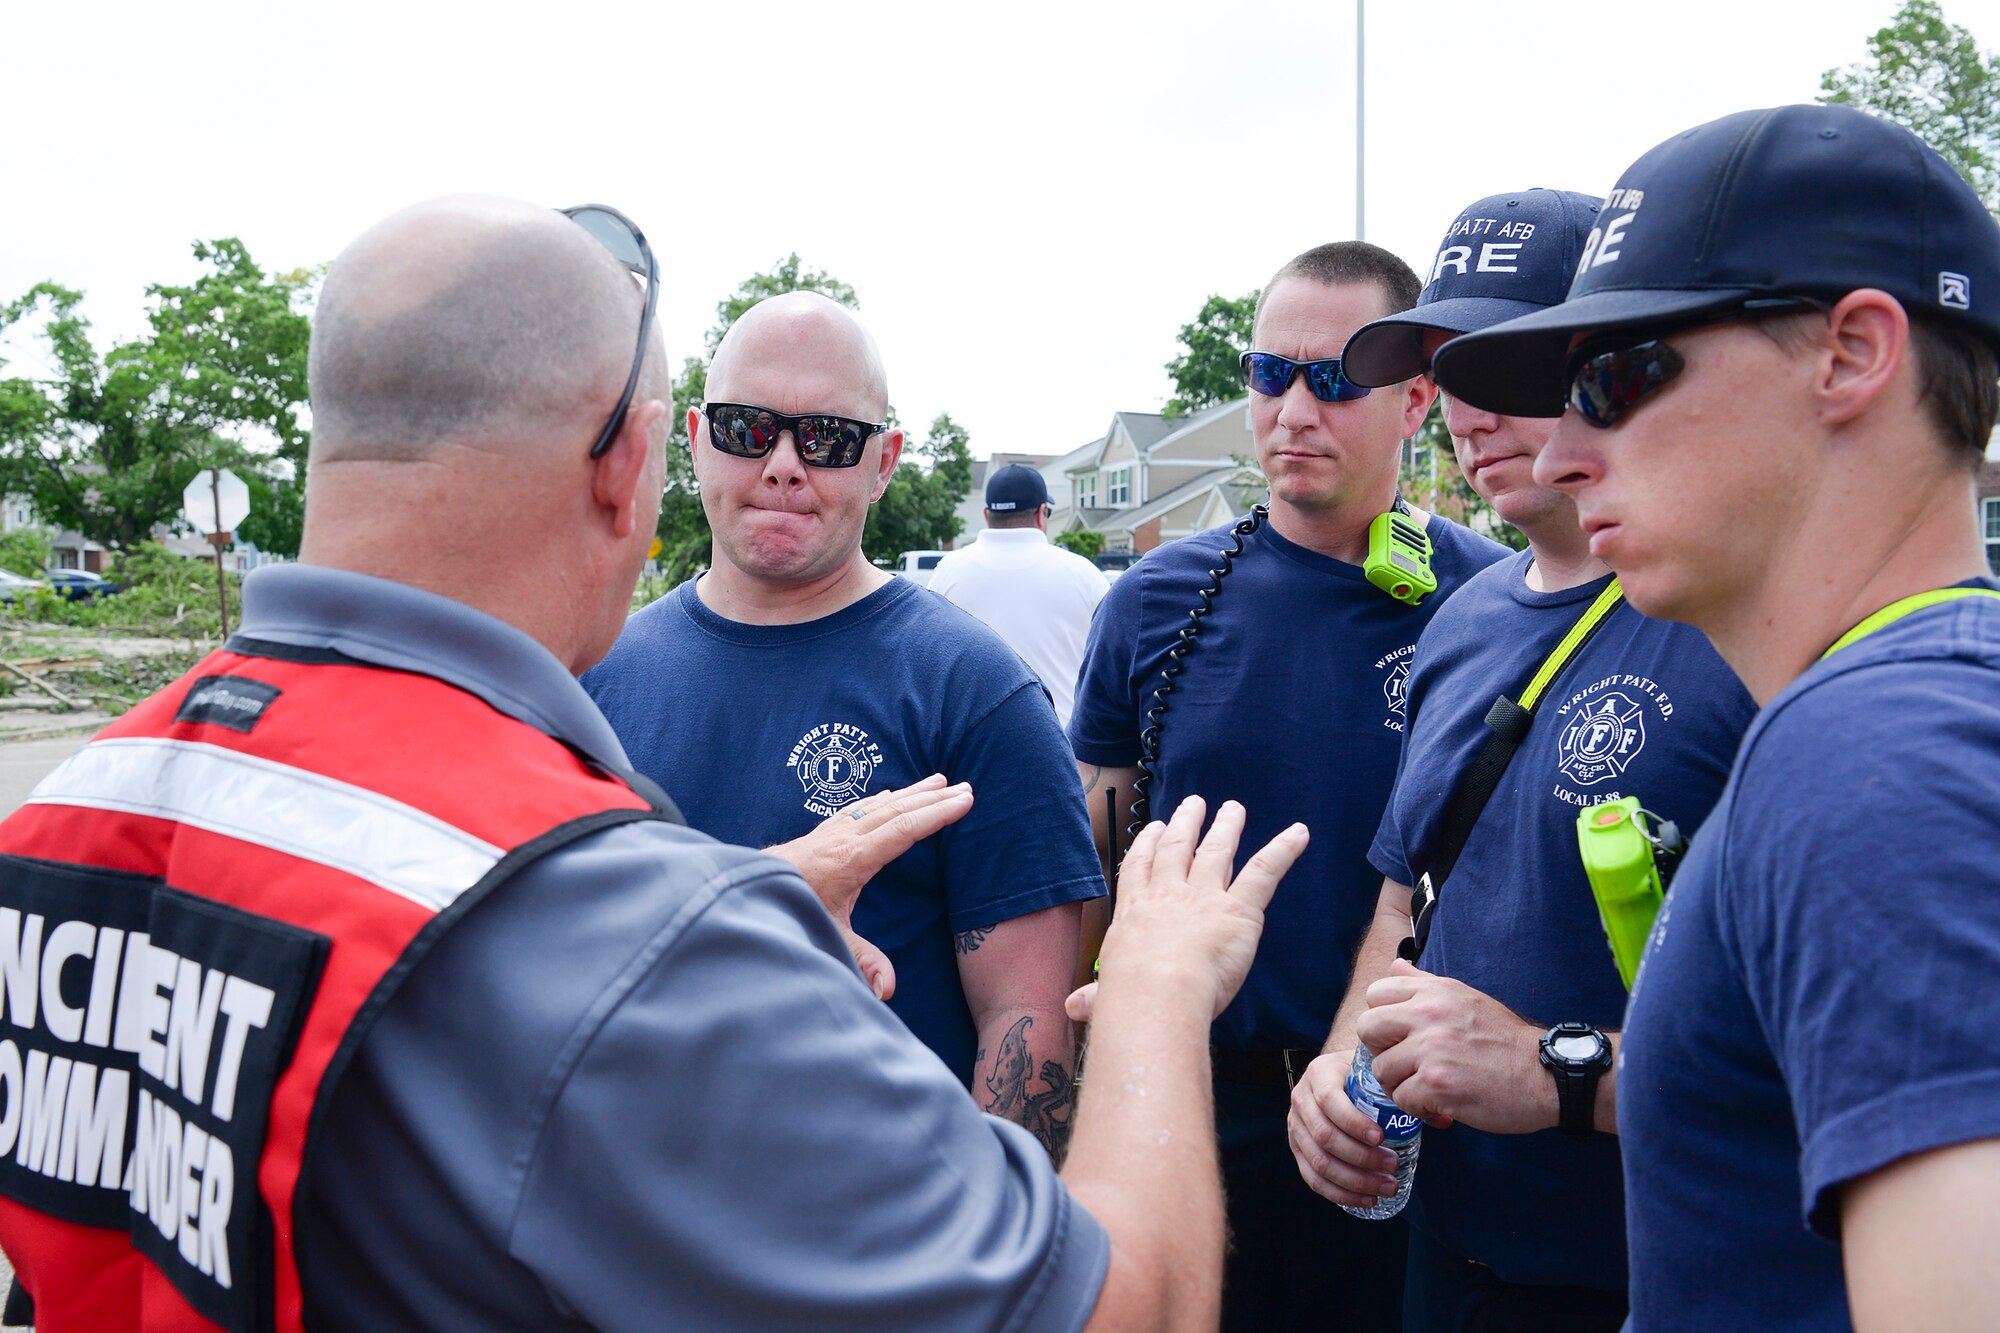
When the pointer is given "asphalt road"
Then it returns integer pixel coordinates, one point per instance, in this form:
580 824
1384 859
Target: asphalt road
22 765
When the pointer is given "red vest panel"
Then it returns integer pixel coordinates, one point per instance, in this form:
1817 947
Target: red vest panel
200 912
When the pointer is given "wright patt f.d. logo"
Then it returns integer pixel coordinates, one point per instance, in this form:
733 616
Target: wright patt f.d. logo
1395 669
834 763
1602 738
1393 687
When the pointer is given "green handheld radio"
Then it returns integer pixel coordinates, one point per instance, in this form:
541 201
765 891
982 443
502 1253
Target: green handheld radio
1399 557
1620 860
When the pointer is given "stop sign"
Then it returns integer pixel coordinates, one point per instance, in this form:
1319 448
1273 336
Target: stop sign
217 500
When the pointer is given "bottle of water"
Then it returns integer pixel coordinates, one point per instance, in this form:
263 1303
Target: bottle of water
1402 1134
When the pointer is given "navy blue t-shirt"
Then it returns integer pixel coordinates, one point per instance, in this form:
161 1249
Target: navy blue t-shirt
1291 703
758 732
1644 709
1821 994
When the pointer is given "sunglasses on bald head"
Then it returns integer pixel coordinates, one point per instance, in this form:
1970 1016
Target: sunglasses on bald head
627 244
1271 375
1611 375
822 439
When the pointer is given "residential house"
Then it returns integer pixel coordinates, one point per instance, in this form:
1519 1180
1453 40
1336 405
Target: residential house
1150 479
71 549
1989 501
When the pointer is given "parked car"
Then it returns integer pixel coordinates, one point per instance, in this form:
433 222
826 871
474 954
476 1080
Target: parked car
13 585
916 566
1114 563
79 585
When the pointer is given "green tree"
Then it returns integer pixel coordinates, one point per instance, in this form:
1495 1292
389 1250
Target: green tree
105 445
790 274
26 551
1431 479
919 510
1086 542
683 527
1930 76
1209 368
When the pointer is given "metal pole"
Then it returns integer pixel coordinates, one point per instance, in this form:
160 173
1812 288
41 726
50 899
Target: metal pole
215 539
1360 120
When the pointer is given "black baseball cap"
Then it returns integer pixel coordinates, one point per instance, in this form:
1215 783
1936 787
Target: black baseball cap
1016 487
1505 256
1790 201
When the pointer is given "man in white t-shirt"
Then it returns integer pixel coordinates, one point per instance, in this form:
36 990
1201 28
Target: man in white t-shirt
1035 595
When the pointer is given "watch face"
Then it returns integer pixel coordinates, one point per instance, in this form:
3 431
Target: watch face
1577 1048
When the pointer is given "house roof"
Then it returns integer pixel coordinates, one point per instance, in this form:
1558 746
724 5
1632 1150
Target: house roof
1144 427
1128 519
1148 431
1186 425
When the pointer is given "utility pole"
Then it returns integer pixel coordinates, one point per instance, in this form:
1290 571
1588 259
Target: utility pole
1360 120
216 539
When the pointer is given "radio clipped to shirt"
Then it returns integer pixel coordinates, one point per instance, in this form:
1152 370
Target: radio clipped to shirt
1399 556
1621 844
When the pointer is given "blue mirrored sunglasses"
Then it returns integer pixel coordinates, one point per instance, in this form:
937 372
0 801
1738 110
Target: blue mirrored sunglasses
1271 374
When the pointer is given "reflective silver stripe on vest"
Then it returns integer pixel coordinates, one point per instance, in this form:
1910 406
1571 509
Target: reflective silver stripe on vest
286 809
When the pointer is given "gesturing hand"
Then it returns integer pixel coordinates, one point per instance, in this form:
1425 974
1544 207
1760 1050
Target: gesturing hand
851 845
1178 909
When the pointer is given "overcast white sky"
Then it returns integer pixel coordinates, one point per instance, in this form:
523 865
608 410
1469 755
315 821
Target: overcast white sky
1029 198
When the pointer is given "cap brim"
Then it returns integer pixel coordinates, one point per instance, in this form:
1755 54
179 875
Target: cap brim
1391 349
1516 369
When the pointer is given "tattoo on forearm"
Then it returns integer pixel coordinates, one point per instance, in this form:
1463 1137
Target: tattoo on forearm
968 941
1096 776
1044 1114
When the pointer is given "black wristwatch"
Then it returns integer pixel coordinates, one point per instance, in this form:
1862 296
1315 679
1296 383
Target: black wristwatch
1577 1054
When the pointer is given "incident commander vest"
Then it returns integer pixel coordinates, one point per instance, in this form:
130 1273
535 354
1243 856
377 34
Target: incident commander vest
201 913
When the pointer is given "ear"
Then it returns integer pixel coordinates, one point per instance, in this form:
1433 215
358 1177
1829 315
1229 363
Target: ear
1419 391
892 451
616 477
1866 344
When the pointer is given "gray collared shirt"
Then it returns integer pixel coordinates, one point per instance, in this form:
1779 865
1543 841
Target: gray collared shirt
641 1085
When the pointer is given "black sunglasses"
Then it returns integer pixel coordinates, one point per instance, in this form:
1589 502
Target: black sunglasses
822 439
627 244
1611 375
1271 375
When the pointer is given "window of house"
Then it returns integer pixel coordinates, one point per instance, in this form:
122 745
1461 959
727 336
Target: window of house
1990 514
1416 458
1086 491
1118 486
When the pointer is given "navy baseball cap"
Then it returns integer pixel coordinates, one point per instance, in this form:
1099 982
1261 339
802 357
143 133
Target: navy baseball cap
1505 256
1790 201
1015 487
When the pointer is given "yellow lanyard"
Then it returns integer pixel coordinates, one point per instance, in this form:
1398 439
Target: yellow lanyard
1895 611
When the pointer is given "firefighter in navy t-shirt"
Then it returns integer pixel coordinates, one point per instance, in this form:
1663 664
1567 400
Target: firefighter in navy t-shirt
1517 1216
815 679
1779 357
1291 700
